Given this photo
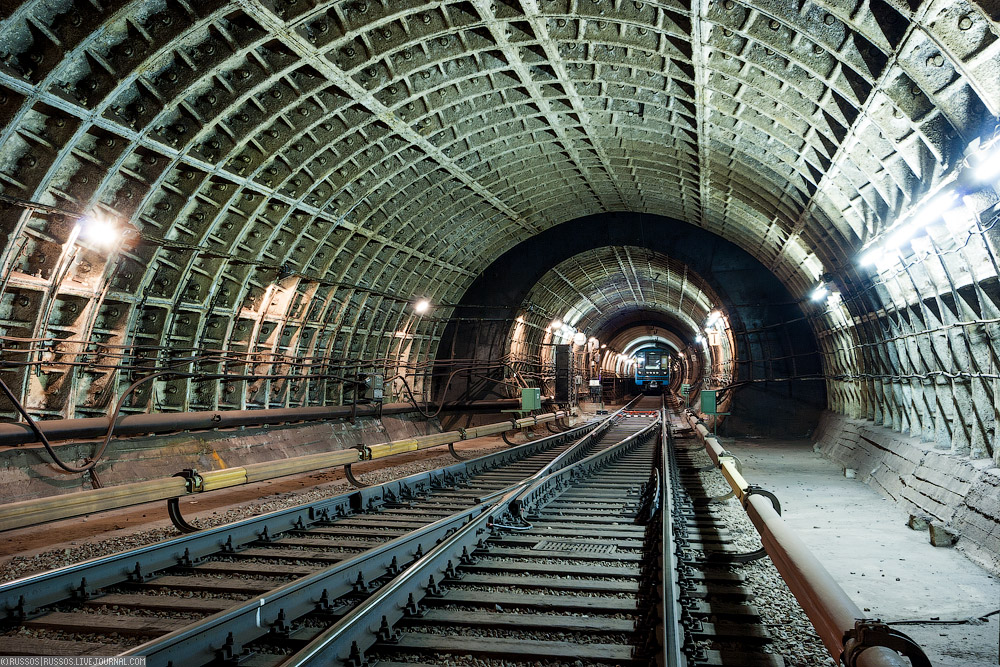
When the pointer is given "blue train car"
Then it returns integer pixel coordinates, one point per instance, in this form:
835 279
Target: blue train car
652 368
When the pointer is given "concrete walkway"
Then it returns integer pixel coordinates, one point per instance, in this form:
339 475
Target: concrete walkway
890 571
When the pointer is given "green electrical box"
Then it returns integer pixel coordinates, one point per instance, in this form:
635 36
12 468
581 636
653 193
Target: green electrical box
685 389
708 401
531 399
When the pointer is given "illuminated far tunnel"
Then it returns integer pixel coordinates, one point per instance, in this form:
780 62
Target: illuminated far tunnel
617 278
611 301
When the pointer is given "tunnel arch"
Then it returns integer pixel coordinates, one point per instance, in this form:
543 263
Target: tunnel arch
293 175
582 300
774 350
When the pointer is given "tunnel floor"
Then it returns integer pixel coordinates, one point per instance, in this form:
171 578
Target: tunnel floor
862 538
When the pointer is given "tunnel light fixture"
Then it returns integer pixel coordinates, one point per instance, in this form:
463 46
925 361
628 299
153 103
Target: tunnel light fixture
946 206
714 318
989 168
699 339
421 306
985 161
871 257
557 324
935 208
604 347
99 230
928 213
898 238
819 293
520 319
580 338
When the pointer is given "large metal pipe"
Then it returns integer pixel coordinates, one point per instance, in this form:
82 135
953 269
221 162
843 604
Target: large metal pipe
826 604
93 428
712 446
828 607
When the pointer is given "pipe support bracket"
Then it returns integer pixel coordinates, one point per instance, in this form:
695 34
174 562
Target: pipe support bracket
869 633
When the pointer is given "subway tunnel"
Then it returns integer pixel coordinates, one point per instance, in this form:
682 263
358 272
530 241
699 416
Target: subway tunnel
232 214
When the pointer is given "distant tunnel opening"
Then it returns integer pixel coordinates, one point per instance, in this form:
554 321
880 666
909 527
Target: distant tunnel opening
604 282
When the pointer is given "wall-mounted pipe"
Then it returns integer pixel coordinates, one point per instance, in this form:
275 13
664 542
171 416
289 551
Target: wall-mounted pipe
54 508
92 428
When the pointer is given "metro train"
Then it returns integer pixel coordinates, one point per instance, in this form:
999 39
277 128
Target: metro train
652 368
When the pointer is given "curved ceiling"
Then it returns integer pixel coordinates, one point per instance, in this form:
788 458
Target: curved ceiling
295 173
595 287
651 339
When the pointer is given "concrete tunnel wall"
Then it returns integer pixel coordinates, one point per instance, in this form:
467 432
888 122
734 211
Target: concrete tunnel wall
285 180
27 472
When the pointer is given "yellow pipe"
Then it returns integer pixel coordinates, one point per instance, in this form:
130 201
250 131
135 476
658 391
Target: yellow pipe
736 480
53 508
392 448
30 512
270 469
488 429
220 479
435 439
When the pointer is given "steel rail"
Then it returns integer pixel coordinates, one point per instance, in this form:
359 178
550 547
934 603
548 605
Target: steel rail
64 506
376 618
223 635
537 493
578 451
851 638
571 454
671 631
22 597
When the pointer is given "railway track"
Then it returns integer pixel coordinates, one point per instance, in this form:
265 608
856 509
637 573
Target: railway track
114 604
719 625
605 563
552 573
599 546
565 583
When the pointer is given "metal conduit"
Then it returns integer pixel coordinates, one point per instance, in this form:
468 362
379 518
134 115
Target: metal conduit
828 607
53 508
850 637
90 428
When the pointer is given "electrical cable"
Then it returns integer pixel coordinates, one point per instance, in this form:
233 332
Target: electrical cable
506 527
972 620
45 441
412 396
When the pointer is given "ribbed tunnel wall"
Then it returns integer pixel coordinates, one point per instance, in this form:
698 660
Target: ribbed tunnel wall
294 175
